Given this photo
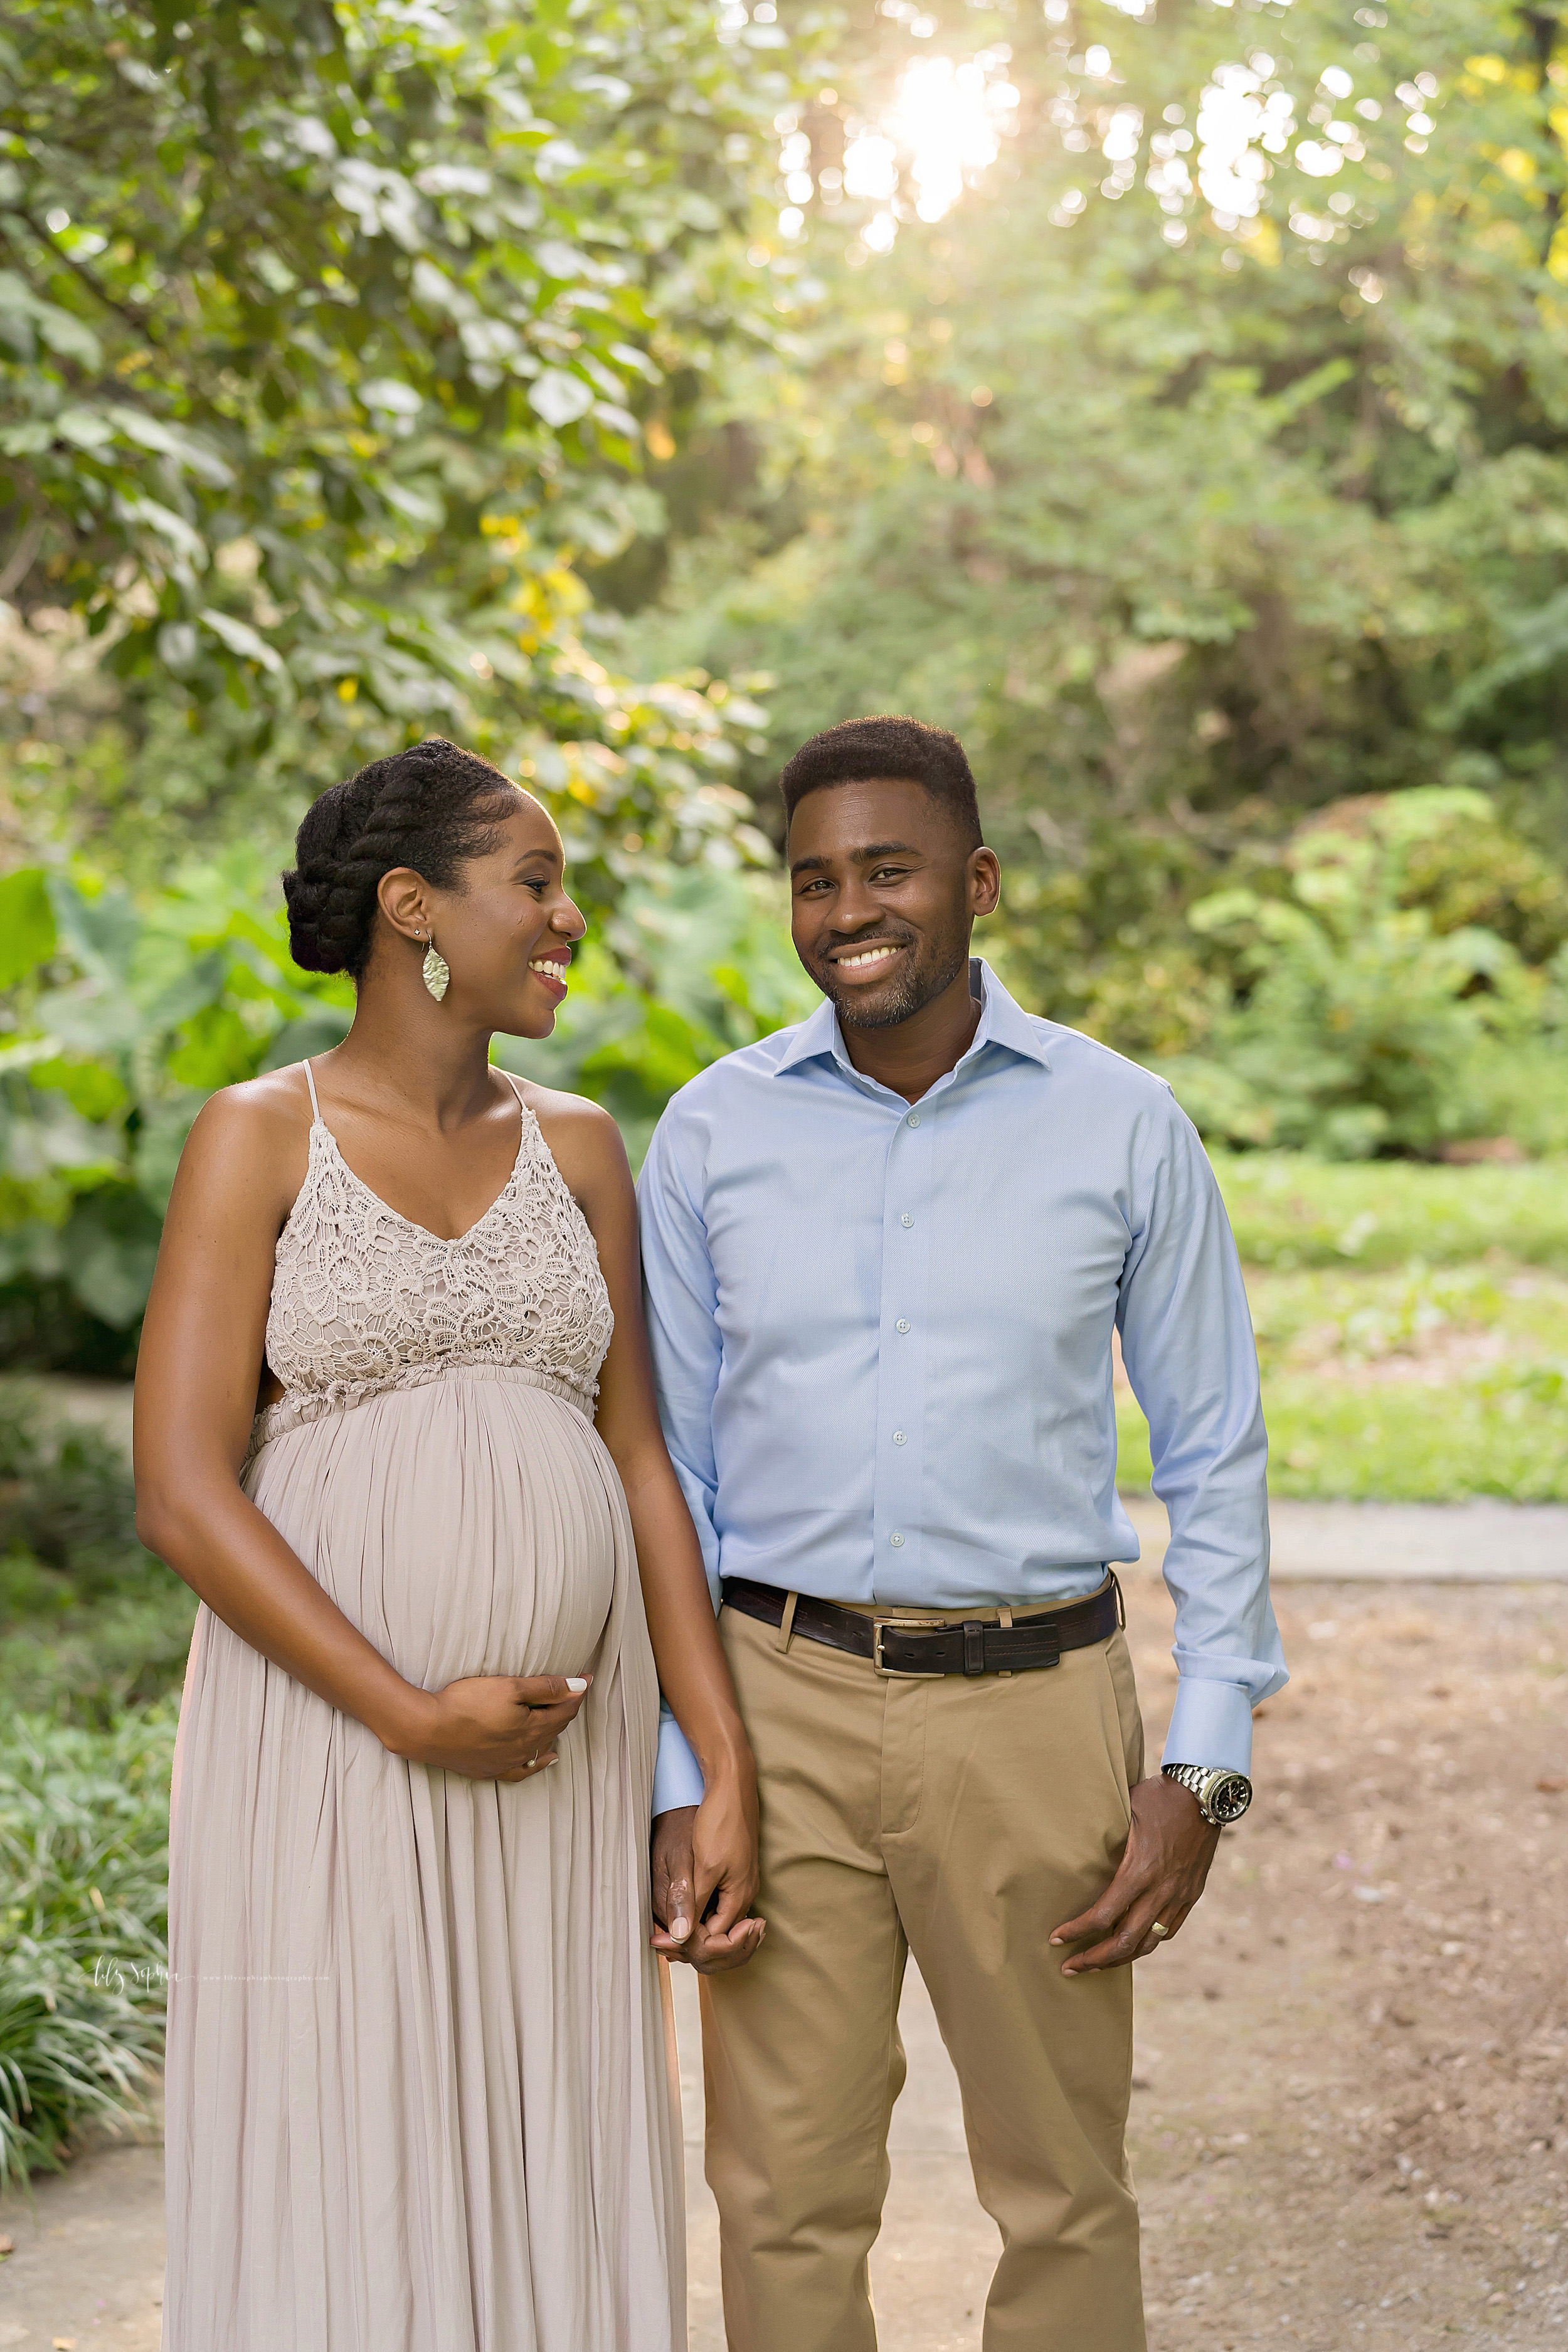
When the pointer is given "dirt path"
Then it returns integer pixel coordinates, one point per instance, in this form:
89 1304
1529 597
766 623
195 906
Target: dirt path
1350 2125
1354 2131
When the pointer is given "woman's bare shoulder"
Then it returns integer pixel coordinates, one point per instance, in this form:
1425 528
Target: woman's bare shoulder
257 1131
584 1140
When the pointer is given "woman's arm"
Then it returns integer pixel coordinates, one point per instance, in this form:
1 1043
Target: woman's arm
197 1382
692 1671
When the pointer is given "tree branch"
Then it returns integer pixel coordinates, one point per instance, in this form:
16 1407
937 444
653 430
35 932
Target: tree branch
136 320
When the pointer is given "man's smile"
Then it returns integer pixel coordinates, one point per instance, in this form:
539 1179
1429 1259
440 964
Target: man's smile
866 962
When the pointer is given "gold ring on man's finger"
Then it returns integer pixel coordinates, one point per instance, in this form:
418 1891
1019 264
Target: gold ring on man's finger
1158 1930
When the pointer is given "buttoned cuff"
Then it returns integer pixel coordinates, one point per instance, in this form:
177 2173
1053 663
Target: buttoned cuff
1211 1724
677 1774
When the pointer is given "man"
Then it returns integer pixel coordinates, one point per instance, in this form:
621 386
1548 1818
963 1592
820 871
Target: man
885 1253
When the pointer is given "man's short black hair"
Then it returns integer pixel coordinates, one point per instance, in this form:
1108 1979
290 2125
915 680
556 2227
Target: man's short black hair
858 750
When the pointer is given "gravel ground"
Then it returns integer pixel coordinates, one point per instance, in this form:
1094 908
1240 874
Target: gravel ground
1349 2125
1351 2128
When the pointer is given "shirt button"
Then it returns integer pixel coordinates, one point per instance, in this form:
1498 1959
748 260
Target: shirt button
894 1541
914 1119
906 1219
899 1437
902 1324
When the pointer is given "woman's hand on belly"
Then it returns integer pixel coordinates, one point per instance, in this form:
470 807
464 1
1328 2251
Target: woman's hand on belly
492 1727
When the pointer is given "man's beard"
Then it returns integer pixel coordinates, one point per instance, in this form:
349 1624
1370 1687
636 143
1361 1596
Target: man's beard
920 979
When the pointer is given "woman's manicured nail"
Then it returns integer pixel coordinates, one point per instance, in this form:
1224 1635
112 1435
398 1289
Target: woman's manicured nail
576 1682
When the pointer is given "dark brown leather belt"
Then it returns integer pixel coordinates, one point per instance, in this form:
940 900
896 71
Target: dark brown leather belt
929 1646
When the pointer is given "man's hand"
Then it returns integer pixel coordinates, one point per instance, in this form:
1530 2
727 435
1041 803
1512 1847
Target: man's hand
1161 1873
690 1879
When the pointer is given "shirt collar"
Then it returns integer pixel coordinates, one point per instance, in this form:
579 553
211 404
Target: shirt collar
1003 1022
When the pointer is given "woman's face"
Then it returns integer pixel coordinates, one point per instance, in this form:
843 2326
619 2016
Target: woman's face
508 927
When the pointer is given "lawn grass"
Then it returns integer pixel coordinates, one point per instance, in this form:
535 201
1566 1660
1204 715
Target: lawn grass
1411 1329
1396 1445
1289 1211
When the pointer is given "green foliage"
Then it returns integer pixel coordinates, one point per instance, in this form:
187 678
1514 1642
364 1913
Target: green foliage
136 1014
84 1829
26 925
695 963
1098 939
1194 500
65 1493
1361 1023
1472 870
91 1622
327 340
324 333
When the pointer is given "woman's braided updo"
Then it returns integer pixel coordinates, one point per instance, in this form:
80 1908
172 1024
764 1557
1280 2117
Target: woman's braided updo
431 807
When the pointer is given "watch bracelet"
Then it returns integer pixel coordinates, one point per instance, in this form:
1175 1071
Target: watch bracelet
1192 1777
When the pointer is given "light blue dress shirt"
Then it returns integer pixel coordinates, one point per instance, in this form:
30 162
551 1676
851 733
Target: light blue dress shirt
882 1338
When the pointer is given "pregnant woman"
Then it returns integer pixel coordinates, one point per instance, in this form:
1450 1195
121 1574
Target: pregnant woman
395 1425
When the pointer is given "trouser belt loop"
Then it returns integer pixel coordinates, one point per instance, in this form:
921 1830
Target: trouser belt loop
1120 1599
786 1623
1006 1617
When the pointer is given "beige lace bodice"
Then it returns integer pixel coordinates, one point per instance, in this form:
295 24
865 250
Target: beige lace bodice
364 1300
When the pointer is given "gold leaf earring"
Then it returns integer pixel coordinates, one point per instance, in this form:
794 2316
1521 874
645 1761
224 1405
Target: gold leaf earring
433 971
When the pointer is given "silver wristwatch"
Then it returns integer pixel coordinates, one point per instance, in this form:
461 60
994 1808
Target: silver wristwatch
1223 1797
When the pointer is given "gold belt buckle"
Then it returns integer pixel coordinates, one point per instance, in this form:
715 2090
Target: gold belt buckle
879 1626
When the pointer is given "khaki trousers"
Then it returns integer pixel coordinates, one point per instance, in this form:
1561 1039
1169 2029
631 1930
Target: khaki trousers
961 1820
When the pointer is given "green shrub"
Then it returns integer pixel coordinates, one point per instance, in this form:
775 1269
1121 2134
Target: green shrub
91 1622
1368 1019
84 1833
125 1017
66 1493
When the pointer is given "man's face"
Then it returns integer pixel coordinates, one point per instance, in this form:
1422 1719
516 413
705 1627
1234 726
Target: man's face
884 892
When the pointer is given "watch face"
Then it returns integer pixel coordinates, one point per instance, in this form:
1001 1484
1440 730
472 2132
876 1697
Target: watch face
1229 1797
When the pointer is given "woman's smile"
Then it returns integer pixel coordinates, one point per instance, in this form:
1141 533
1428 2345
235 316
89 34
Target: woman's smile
551 971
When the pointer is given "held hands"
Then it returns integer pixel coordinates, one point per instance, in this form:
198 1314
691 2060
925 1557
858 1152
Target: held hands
706 1856
1161 1873
493 1727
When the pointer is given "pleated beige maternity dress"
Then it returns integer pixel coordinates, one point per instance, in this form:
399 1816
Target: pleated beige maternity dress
418 2097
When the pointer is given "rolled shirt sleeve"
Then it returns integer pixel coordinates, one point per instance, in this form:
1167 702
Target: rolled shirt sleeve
680 1299
1187 1340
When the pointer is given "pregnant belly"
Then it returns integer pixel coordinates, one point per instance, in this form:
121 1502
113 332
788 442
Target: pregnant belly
467 1527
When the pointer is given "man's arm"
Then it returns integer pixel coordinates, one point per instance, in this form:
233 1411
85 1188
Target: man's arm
680 1300
1187 1340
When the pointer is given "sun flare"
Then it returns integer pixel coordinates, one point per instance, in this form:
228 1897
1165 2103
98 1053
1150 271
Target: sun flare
943 131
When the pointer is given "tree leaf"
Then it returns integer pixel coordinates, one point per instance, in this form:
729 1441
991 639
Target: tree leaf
240 638
560 398
27 924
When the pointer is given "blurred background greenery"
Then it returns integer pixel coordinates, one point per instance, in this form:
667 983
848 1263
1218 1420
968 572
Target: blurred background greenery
1171 398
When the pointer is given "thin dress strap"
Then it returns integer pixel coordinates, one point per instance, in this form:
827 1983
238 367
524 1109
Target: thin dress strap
316 1119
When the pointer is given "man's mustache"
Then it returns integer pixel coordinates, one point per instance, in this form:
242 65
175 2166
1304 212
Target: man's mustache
858 943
